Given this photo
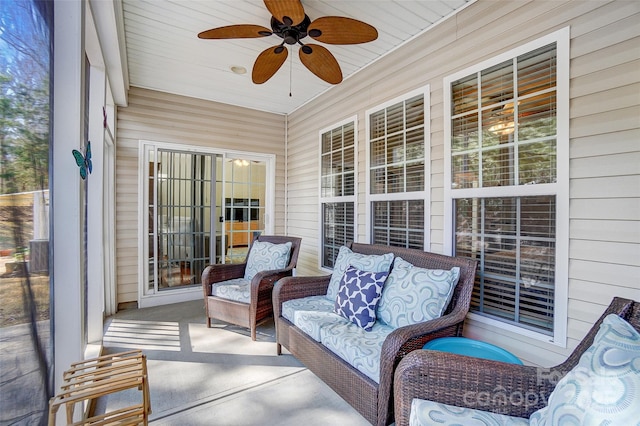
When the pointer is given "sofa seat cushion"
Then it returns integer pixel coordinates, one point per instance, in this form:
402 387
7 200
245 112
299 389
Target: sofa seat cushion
364 262
266 256
311 323
359 348
304 304
425 413
310 314
604 387
237 289
412 294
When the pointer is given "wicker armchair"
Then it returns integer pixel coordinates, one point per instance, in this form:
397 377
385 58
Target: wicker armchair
260 306
469 382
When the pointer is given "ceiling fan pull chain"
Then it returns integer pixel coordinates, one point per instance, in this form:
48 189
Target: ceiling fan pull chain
290 71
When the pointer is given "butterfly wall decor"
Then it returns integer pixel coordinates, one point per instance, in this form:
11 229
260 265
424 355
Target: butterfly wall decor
84 161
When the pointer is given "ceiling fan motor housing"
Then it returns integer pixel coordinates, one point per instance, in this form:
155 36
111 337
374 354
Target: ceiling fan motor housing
291 34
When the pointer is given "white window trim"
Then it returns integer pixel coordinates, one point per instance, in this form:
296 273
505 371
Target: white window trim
343 199
417 195
560 189
147 298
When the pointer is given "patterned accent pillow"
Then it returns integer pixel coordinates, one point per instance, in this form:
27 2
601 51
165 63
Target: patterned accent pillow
265 256
604 386
412 295
364 262
358 296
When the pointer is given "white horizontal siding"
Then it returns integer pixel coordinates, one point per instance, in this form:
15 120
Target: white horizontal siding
604 149
164 117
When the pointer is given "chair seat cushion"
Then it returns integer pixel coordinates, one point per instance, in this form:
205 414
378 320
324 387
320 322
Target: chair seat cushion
412 294
425 413
604 387
360 348
237 289
266 256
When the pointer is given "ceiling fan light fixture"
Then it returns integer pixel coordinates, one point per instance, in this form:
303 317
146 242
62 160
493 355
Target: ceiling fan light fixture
236 69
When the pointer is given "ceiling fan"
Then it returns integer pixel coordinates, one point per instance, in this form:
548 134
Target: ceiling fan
290 22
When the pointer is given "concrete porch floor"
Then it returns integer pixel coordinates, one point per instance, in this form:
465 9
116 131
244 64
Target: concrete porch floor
218 375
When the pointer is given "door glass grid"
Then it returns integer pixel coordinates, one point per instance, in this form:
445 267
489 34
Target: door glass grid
180 193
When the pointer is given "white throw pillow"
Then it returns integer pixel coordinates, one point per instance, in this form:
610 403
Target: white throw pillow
265 256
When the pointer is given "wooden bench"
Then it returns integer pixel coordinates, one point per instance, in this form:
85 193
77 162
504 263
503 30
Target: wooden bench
91 379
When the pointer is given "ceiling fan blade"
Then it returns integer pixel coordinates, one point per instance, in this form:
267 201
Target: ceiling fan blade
321 62
288 12
341 30
268 62
236 31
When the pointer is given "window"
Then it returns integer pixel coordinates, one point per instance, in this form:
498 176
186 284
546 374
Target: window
337 189
507 186
398 179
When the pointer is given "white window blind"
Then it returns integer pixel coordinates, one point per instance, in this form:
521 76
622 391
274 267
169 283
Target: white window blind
337 189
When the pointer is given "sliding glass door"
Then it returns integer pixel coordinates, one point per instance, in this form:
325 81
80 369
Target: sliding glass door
202 208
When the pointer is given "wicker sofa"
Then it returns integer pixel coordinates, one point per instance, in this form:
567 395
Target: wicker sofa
482 387
373 399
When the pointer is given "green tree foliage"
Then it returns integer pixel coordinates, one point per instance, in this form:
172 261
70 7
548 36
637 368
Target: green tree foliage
24 100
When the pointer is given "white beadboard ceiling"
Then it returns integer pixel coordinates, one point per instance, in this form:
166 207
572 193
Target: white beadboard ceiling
165 54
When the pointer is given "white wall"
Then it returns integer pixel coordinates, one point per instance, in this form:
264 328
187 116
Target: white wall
604 246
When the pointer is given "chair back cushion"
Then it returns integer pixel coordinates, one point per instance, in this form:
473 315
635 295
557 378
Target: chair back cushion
265 256
412 295
364 262
603 387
